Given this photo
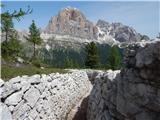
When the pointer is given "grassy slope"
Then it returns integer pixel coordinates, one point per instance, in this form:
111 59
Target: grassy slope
8 72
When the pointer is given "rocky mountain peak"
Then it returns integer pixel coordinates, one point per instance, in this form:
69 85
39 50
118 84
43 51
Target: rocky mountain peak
71 21
102 23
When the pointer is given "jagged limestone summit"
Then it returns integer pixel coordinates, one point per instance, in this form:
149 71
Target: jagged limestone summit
71 25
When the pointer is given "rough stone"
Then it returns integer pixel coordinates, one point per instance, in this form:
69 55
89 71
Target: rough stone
131 94
14 98
46 97
70 21
5 114
32 95
1 82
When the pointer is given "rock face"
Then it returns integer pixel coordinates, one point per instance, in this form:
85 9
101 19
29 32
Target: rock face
119 32
45 97
132 93
70 21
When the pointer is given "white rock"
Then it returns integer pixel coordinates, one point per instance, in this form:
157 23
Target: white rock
1 82
14 98
11 108
21 113
9 88
25 86
15 80
5 114
40 87
33 114
34 79
20 60
32 95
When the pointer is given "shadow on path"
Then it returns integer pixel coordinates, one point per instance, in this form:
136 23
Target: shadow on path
81 113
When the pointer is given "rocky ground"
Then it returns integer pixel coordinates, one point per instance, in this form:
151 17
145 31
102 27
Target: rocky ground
132 93
38 97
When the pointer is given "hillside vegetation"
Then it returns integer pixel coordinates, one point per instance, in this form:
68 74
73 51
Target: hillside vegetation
27 58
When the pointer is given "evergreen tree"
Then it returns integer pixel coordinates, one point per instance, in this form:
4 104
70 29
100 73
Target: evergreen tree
70 63
11 47
7 20
7 25
34 37
114 59
92 57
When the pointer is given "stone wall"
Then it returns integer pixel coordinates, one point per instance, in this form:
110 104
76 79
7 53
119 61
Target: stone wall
42 97
132 93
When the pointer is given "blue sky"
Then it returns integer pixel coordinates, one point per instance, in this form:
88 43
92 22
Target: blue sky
144 17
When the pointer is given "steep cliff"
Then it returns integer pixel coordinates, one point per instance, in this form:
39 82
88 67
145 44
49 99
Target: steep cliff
71 21
132 93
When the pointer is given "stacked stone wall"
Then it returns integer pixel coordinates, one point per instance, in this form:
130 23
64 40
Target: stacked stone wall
42 97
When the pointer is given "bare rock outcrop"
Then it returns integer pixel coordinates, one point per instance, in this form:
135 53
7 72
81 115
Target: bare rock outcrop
119 32
132 93
42 97
71 21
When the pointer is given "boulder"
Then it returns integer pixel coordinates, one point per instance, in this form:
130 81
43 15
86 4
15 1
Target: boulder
31 96
14 98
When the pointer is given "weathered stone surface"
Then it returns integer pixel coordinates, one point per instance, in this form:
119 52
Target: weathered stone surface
14 98
70 21
46 97
15 80
10 88
1 82
131 94
31 96
120 32
5 114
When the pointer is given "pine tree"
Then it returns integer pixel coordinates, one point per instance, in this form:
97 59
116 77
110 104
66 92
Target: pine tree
11 46
114 59
7 19
92 57
6 25
34 37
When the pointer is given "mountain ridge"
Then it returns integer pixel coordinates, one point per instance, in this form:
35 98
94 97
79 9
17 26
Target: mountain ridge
71 25
71 21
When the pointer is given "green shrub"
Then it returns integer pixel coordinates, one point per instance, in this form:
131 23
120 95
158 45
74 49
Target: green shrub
36 62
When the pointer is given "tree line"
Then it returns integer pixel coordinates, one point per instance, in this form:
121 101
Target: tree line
114 60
